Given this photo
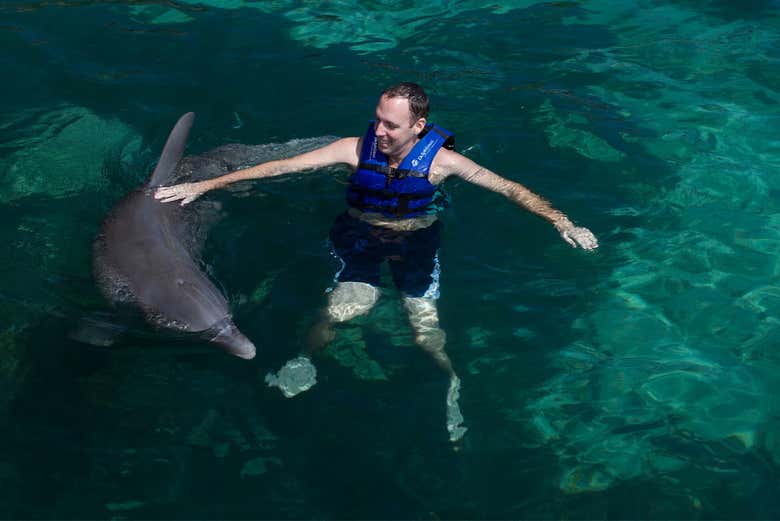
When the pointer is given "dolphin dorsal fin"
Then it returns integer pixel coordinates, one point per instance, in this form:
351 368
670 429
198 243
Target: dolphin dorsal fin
174 149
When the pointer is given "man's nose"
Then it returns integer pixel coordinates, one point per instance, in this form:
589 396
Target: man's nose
379 129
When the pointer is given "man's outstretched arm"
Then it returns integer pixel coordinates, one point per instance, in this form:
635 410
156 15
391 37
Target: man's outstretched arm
457 164
343 151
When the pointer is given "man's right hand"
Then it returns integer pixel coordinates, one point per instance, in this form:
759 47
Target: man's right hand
186 192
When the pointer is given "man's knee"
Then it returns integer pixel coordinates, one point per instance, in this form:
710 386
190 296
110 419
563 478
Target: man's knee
424 319
422 312
431 339
351 299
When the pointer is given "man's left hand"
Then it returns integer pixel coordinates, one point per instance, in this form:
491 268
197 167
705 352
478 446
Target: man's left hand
582 237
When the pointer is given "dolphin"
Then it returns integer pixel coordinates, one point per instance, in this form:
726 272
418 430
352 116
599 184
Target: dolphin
143 258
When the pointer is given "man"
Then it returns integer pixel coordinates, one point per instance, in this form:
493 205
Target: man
397 167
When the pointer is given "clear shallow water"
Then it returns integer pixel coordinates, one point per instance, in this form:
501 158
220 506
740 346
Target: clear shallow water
637 382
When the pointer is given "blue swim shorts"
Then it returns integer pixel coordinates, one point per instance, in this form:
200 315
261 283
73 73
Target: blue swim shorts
413 256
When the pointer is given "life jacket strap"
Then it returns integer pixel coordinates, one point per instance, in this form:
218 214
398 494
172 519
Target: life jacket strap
392 173
385 193
449 139
400 210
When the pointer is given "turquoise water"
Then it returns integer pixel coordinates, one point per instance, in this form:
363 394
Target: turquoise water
638 381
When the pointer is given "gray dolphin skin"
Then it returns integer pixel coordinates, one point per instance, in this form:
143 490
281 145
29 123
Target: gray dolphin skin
143 257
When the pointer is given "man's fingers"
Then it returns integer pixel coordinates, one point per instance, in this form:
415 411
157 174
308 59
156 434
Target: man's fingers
174 193
183 192
586 239
581 237
162 192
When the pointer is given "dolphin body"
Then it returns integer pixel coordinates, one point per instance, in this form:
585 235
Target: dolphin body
143 257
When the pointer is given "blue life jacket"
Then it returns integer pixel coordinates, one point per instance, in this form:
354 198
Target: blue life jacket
397 192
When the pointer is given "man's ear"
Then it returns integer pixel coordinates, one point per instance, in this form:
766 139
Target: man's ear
419 125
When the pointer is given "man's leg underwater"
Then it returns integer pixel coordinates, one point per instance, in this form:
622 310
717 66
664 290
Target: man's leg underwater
424 319
347 301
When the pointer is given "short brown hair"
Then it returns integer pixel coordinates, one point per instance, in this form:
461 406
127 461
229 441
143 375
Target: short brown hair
418 100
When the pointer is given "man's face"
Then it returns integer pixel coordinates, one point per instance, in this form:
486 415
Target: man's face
395 132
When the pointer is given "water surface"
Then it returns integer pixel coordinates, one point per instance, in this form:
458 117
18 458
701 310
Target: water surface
635 382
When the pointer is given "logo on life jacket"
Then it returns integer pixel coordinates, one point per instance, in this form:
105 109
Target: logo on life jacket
422 154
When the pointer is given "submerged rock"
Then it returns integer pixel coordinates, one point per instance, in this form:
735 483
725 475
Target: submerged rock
13 366
374 28
585 478
258 466
565 132
61 152
124 506
349 350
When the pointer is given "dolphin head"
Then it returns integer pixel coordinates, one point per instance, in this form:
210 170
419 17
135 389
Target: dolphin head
225 334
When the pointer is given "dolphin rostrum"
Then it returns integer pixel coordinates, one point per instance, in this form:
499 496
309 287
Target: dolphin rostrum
142 258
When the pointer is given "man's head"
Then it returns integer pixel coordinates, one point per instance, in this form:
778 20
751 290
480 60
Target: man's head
418 100
401 115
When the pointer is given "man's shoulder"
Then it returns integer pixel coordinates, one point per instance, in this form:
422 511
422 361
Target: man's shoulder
346 145
348 149
351 141
354 143
445 163
448 159
346 141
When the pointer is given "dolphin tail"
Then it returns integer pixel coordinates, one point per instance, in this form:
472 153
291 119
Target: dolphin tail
174 149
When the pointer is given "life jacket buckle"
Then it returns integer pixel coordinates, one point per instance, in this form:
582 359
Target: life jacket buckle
400 174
